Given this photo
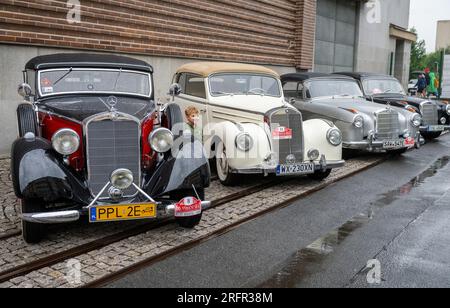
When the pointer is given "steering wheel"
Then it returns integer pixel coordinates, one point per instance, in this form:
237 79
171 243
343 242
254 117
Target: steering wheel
260 90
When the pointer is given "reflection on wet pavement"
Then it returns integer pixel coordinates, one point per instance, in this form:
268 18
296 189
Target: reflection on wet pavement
300 265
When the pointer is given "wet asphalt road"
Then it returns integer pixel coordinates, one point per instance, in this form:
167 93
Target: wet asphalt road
397 213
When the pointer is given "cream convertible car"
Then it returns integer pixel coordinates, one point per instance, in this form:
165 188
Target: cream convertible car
240 114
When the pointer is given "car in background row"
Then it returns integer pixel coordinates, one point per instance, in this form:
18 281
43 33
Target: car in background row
88 146
364 125
247 126
412 87
387 90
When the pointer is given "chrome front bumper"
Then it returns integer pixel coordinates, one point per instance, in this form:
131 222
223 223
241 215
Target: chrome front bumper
321 165
372 145
164 211
434 128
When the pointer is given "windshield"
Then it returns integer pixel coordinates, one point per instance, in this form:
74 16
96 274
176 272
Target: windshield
63 81
244 84
332 87
382 86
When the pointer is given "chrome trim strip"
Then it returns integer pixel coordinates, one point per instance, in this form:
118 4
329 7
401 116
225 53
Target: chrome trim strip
94 92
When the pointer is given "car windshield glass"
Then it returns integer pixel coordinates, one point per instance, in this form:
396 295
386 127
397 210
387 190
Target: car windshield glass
332 87
94 81
244 84
382 86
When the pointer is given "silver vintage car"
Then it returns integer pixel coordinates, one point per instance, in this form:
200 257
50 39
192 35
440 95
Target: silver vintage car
365 125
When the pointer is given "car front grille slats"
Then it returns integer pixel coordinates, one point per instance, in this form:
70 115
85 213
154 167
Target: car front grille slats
112 145
388 125
429 114
289 119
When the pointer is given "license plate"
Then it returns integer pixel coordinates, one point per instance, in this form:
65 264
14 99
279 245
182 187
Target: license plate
122 212
295 169
435 128
393 144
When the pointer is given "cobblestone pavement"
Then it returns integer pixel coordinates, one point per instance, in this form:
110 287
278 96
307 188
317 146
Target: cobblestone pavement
9 220
119 255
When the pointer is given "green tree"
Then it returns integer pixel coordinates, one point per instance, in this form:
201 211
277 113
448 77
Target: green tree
418 54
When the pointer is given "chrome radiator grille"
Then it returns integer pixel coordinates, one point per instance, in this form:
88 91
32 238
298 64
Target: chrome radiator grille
289 119
388 125
112 145
429 114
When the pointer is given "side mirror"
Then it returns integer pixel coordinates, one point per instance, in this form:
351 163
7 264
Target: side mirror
175 89
292 101
24 90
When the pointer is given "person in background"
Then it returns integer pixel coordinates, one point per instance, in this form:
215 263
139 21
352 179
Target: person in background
427 76
192 123
421 86
432 90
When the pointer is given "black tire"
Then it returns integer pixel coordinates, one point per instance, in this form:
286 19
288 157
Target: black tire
32 233
226 177
27 121
173 120
431 135
189 222
398 152
320 175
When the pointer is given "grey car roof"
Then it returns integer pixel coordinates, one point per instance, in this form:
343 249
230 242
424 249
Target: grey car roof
309 75
362 75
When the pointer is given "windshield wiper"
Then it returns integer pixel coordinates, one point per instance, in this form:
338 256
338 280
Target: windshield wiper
64 76
222 93
117 80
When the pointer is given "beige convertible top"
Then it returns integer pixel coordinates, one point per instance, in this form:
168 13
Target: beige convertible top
205 69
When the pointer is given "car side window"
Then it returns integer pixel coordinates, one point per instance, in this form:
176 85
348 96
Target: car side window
181 80
195 86
293 90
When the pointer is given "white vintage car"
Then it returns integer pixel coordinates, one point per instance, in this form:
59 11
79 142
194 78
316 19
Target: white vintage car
245 124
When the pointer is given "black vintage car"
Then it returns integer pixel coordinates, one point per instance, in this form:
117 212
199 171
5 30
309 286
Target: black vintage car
93 143
386 89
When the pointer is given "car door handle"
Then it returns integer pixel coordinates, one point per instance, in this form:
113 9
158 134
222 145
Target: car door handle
202 110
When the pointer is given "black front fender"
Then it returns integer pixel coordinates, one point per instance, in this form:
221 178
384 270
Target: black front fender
37 174
180 171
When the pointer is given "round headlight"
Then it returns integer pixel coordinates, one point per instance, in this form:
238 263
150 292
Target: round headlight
66 141
244 142
416 120
122 179
447 109
313 154
358 121
334 136
443 121
161 140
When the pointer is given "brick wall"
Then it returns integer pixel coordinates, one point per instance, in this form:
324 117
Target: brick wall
278 32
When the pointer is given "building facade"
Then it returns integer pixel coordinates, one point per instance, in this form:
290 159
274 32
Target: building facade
287 35
443 34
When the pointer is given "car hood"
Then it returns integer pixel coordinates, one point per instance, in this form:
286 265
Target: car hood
399 99
343 110
339 105
249 103
80 108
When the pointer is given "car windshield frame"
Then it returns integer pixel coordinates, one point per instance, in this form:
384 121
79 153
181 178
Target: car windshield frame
280 89
68 70
308 82
382 79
